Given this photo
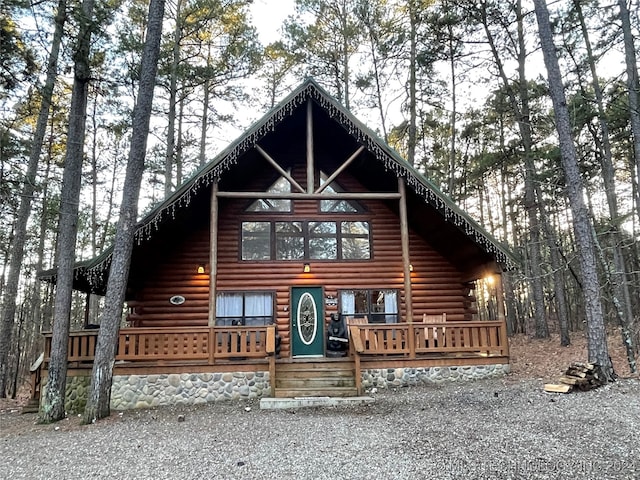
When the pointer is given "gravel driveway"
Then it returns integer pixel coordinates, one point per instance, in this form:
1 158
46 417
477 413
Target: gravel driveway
493 429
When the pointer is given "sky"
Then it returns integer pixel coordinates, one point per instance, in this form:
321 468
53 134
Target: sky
268 16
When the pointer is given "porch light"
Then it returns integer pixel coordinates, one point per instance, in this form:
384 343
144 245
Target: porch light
200 268
306 268
411 267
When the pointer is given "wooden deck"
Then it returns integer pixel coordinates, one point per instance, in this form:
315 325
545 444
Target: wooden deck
219 349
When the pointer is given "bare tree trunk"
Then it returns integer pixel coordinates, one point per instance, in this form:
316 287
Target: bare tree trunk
204 122
173 88
99 394
413 129
52 408
531 202
617 275
633 85
28 188
596 333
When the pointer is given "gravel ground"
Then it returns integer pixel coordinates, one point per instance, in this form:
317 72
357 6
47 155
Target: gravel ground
493 429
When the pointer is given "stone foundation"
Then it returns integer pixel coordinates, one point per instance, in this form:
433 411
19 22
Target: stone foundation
146 391
408 377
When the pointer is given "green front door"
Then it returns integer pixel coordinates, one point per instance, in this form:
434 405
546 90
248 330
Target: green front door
307 322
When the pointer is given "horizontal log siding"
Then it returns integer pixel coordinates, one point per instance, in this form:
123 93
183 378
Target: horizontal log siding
437 286
175 274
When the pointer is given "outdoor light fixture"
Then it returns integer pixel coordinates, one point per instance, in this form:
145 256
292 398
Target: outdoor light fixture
306 268
411 267
200 268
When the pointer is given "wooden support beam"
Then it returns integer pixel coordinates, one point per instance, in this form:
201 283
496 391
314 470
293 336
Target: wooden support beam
312 196
213 252
340 169
280 170
406 261
310 159
500 298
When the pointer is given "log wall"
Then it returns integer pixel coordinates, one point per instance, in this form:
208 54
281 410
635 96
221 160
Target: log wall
437 285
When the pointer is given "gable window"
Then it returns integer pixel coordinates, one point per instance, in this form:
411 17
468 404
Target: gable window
336 206
379 306
306 240
244 308
281 185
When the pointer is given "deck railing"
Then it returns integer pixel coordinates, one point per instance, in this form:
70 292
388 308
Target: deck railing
210 344
205 344
411 339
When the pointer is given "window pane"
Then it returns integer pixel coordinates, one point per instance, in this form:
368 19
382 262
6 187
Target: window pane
256 241
323 248
355 228
229 305
355 240
355 249
289 241
361 301
258 304
337 206
321 229
282 185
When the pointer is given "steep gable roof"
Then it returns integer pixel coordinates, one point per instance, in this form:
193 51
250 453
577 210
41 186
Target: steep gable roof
92 273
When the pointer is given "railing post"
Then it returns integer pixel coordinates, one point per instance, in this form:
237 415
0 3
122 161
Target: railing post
504 338
412 341
212 345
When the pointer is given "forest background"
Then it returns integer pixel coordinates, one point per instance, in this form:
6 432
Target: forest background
458 88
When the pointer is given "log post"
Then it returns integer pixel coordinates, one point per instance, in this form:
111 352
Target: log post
404 236
213 253
310 166
500 298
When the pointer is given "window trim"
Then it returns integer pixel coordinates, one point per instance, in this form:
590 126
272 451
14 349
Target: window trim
306 235
244 294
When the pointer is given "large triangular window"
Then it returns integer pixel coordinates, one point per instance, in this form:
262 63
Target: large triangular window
266 204
338 206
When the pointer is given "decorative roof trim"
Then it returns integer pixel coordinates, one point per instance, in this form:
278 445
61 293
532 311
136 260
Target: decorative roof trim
94 270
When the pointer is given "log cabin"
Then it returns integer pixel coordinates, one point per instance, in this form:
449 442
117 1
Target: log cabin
307 259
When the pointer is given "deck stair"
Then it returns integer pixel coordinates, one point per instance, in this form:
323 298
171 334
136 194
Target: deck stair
315 379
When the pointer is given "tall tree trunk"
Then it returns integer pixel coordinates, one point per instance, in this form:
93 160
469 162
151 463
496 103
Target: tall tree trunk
531 202
173 92
24 209
99 394
204 121
452 119
413 128
53 404
596 333
633 86
617 275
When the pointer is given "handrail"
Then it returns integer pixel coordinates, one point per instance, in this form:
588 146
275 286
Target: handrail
185 343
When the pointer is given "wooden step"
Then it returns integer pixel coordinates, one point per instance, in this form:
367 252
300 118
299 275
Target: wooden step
316 382
315 379
316 392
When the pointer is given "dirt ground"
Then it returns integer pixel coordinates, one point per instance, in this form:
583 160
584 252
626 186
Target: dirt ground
543 360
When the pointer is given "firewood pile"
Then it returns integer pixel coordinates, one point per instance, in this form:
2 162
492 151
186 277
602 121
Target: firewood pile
579 376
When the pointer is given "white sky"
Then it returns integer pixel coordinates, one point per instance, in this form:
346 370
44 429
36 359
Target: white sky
268 16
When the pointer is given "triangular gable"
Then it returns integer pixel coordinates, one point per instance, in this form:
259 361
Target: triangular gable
95 269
